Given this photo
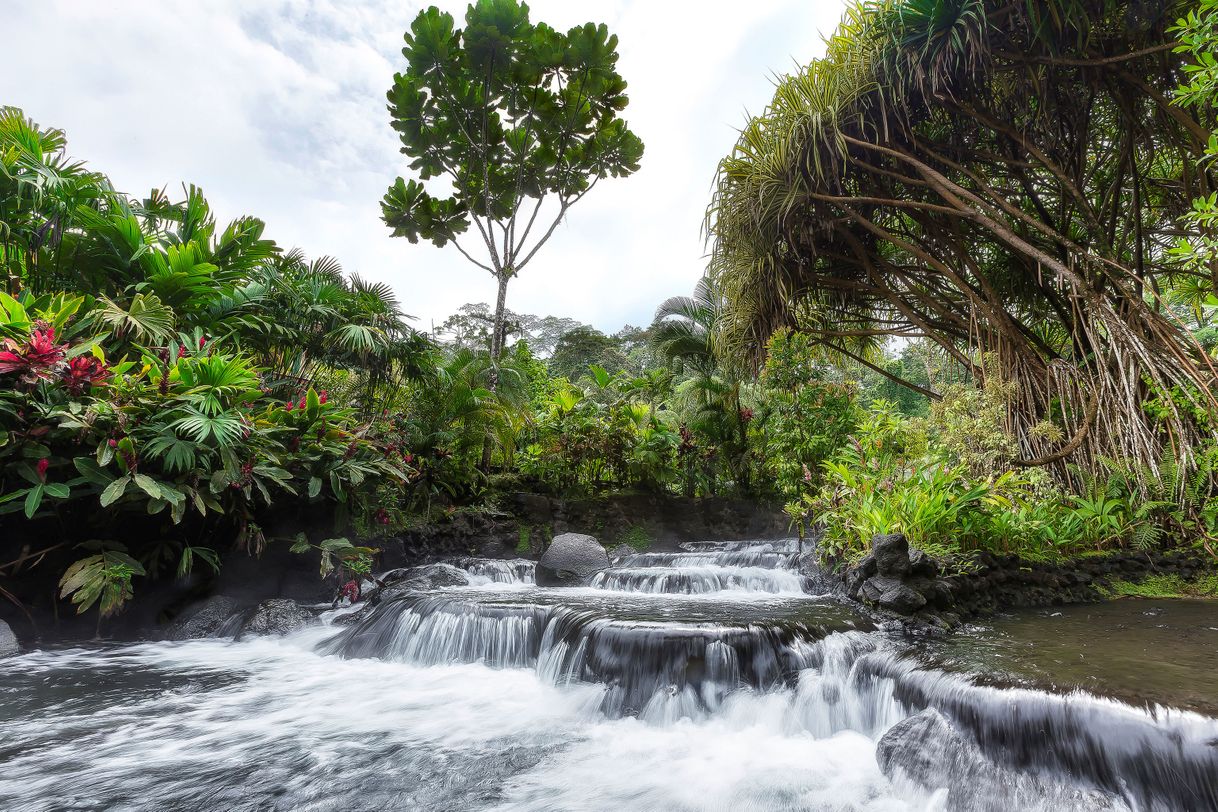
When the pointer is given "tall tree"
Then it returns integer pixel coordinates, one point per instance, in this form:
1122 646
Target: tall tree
1004 180
519 119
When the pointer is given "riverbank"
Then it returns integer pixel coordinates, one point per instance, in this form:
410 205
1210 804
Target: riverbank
906 583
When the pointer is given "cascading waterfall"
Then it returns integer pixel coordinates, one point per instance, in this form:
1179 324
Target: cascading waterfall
497 571
705 679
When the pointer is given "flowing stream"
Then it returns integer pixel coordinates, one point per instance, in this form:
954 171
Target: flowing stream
712 679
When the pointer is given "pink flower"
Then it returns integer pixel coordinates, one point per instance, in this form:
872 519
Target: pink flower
289 406
322 398
202 342
350 591
42 466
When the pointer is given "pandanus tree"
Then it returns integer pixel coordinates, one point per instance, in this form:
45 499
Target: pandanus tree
520 121
1005 179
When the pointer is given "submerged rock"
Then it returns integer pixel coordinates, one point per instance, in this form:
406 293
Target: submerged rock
218 616
927 750
276 616
570 560
8 641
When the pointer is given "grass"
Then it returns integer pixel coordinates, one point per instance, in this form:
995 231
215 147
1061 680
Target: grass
1165 586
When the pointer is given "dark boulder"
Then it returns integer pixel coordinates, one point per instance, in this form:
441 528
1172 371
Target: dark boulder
8 641
276 616
922 565
857 575
876 586
570 560
218 616
891 554
902 599
417 579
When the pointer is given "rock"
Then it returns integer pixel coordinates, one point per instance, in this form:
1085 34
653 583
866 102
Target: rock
929 751
902 599
218 616
8 641
857 575
276 616
876 586
621 551
891 554
417 579
570 560
939 594
922 565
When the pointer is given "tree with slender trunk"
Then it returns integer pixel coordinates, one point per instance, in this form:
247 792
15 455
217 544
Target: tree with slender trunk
519 122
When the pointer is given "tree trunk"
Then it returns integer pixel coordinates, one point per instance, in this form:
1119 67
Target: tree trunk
498 339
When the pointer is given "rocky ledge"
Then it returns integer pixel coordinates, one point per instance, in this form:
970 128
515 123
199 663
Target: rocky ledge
908 583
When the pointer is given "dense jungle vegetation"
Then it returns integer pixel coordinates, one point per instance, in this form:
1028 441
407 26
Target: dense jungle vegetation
962 285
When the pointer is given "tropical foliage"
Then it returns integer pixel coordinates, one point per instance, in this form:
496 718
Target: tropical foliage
1002 180
156 368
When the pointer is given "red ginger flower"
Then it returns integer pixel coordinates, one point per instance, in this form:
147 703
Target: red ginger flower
84 371
42 466
36 359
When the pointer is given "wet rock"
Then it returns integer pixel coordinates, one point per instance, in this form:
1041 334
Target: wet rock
8 641
891 554
902 599
621 551
927 750
218 616
276 616
570 560
417 579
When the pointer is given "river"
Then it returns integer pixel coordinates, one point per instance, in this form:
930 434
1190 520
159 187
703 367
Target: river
706 680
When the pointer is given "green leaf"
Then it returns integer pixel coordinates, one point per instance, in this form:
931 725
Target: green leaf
92 472
314 487
148 485
115 490
301 544
32 501
58 490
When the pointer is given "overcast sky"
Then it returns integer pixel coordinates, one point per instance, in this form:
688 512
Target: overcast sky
276 108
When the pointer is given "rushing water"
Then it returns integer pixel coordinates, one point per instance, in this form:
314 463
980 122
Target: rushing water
640 692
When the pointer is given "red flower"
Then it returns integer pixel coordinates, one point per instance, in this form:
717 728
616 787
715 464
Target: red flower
84 371
42 466
181 352
202 342
322 398
35 360
113 443
382 516
350 591
289 406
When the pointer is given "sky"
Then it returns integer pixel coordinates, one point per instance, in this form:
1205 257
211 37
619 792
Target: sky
276 108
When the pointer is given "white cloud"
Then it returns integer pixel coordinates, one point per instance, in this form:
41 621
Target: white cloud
277 109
